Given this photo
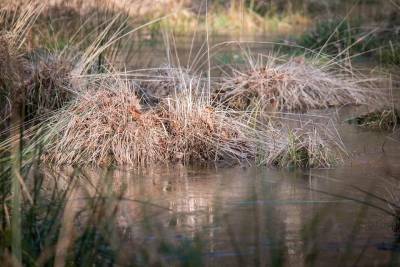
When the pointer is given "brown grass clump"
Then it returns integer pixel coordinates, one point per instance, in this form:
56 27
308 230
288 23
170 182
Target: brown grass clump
107 125
289 86
199 132
99 125
41 82
49 86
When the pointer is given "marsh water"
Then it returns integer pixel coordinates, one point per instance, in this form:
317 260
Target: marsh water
244 215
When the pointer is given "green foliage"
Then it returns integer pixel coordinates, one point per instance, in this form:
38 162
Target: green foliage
390 55
296 154
350 38
386 119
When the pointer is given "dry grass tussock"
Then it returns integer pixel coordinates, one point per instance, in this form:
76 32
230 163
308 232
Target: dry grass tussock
292 85
41 81
107 124
50 85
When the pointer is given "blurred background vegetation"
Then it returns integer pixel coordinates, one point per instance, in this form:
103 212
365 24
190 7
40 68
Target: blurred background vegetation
359 27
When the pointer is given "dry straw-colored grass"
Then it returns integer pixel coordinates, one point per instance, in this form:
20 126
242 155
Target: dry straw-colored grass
49 87
41 82
107 124
290 85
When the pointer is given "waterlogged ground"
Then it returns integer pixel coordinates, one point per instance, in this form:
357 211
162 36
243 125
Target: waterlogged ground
243 215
